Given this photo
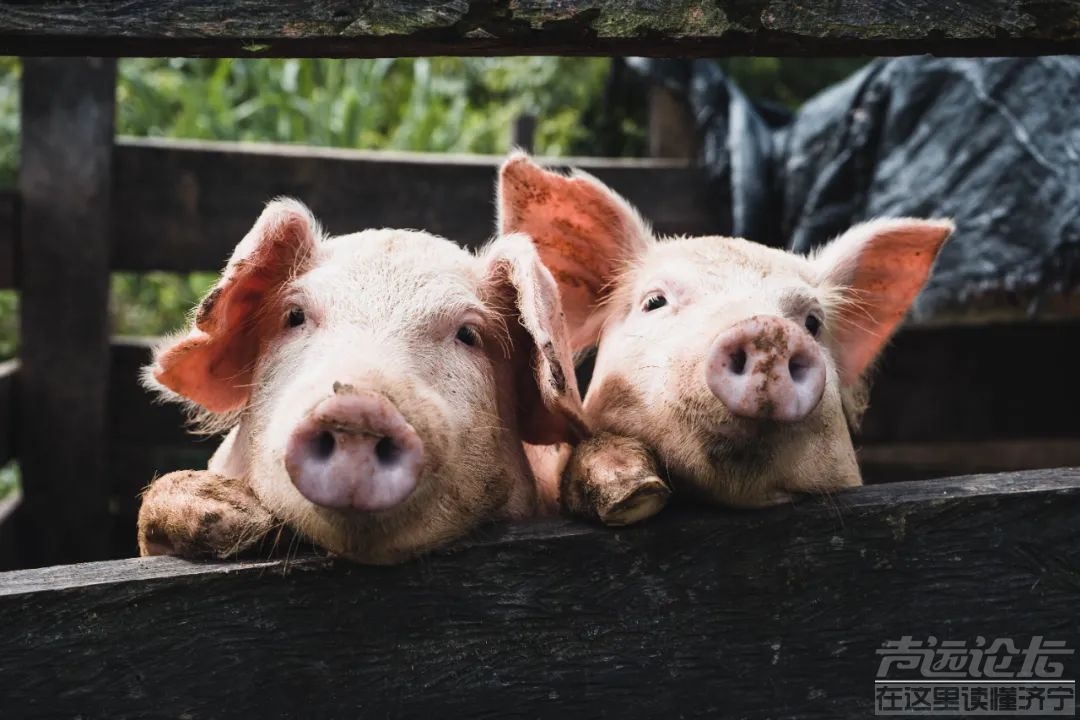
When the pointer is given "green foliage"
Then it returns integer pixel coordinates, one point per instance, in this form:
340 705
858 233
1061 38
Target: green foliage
428 104
9 478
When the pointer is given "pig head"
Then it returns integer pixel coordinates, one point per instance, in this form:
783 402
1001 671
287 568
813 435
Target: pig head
377 387
740 368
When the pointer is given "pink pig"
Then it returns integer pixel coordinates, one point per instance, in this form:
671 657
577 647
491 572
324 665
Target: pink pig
377 388
733 370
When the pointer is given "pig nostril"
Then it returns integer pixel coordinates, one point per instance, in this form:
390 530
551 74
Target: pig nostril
387 451
738 361
324 445
798 367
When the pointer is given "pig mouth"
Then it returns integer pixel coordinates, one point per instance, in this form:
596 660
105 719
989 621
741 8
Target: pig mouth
738 431
751 451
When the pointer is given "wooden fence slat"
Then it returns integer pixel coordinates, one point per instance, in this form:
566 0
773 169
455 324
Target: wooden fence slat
183 205
9 233
765 613
9 371
67 134
329 28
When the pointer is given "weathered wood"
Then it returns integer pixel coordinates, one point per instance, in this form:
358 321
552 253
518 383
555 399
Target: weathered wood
758 614
9 233
65 182
180 206
332 28
9 371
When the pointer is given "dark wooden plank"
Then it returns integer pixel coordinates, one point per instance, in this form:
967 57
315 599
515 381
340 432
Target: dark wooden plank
573 27
9 233
757 614
65 183
9 371
9 506
892 462
977 382
672 129
191 209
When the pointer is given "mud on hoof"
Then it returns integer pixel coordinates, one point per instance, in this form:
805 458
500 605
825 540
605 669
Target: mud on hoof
198 514
613 479
639 503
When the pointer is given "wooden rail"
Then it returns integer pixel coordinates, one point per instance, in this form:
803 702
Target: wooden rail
766 613
330 28
194 200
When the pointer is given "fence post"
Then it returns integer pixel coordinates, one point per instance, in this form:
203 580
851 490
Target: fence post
672 131
68 108
523 133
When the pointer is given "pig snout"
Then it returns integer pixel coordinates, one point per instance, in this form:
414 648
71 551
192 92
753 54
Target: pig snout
354 451
767 368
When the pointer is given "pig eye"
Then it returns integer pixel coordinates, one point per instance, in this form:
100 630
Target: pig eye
654 302
813 325
467 335
295 318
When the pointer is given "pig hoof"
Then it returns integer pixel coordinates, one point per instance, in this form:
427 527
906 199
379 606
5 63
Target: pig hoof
641 503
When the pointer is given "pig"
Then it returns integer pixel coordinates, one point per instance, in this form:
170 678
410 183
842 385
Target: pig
378 390
734 371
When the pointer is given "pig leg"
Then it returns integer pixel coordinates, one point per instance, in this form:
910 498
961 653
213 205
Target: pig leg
198 514
612 479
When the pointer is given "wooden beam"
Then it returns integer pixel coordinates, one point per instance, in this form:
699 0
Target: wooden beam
9 372
334 28
890 462
672 129
65 182
181 207
764 613
977 382
9 234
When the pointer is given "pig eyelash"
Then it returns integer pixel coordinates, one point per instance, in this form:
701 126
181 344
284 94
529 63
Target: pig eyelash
654 301
467 335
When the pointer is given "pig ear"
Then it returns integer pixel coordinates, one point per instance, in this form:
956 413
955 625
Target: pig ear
877 269
211 364
586 235
548 403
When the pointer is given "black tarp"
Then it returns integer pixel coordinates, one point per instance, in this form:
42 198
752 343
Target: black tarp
992 143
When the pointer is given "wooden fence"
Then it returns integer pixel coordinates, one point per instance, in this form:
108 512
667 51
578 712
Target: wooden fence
773 614
757 614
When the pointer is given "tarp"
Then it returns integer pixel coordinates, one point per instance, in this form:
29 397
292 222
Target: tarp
992 143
